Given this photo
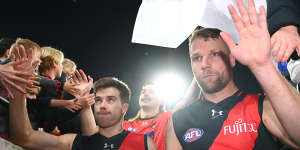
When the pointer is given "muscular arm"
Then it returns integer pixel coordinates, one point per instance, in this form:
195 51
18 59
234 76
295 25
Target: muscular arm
285 100
274 126
172 142
88 123
23 134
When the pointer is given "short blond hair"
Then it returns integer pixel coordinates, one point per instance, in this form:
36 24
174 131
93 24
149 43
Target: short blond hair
49 56
57 55
69 63
27 45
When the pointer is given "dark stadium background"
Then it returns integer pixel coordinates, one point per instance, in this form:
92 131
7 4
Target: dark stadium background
97 36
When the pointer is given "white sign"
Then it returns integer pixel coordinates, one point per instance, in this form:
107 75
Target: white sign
168 23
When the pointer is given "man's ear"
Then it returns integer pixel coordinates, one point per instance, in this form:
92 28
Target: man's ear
124 108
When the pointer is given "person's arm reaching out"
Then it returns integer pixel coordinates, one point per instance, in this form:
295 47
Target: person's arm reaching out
253 51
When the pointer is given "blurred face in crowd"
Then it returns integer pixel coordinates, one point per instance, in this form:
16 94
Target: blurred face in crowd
211 64
58 69
149 97
108 109
36 59
68 70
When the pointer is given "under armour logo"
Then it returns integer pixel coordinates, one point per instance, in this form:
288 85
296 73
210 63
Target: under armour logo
111 146
215 114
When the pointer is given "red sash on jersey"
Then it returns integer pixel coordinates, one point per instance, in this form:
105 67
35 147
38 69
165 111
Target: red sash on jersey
239 131
133 141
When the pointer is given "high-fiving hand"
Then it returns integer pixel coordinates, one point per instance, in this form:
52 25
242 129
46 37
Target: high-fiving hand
18 73
254 46
83 83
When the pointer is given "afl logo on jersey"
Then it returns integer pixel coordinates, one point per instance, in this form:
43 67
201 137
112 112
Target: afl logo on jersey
192 134
132 129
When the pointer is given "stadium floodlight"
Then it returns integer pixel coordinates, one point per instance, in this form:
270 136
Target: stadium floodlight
169 87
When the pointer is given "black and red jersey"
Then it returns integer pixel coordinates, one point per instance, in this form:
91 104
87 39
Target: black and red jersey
154 127
124 141
232 124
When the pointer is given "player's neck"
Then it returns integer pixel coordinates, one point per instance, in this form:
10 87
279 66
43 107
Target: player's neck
149 112
113 130
217 97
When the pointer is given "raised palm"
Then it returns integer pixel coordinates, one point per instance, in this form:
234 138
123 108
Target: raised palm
254 46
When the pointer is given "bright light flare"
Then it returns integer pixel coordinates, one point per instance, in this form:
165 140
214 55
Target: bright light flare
170 87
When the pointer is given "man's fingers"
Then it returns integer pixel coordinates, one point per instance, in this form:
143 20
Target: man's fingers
244 13
281 52
236 18
13 85
228 40
263 18
90 103
75 100
75 77
91 96
35 78
19 80
287 54
92 100
279 56
22 52
35 83
83 75
16 53
10 94
276 48
78 75
78 106
30 54
23 74
91 80
252 12
70 109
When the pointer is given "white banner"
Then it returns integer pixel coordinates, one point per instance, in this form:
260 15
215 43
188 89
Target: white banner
168 23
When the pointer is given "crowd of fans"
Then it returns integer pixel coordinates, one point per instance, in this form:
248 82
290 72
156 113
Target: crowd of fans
51 105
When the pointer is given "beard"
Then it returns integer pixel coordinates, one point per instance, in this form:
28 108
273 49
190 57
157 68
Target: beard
216 85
